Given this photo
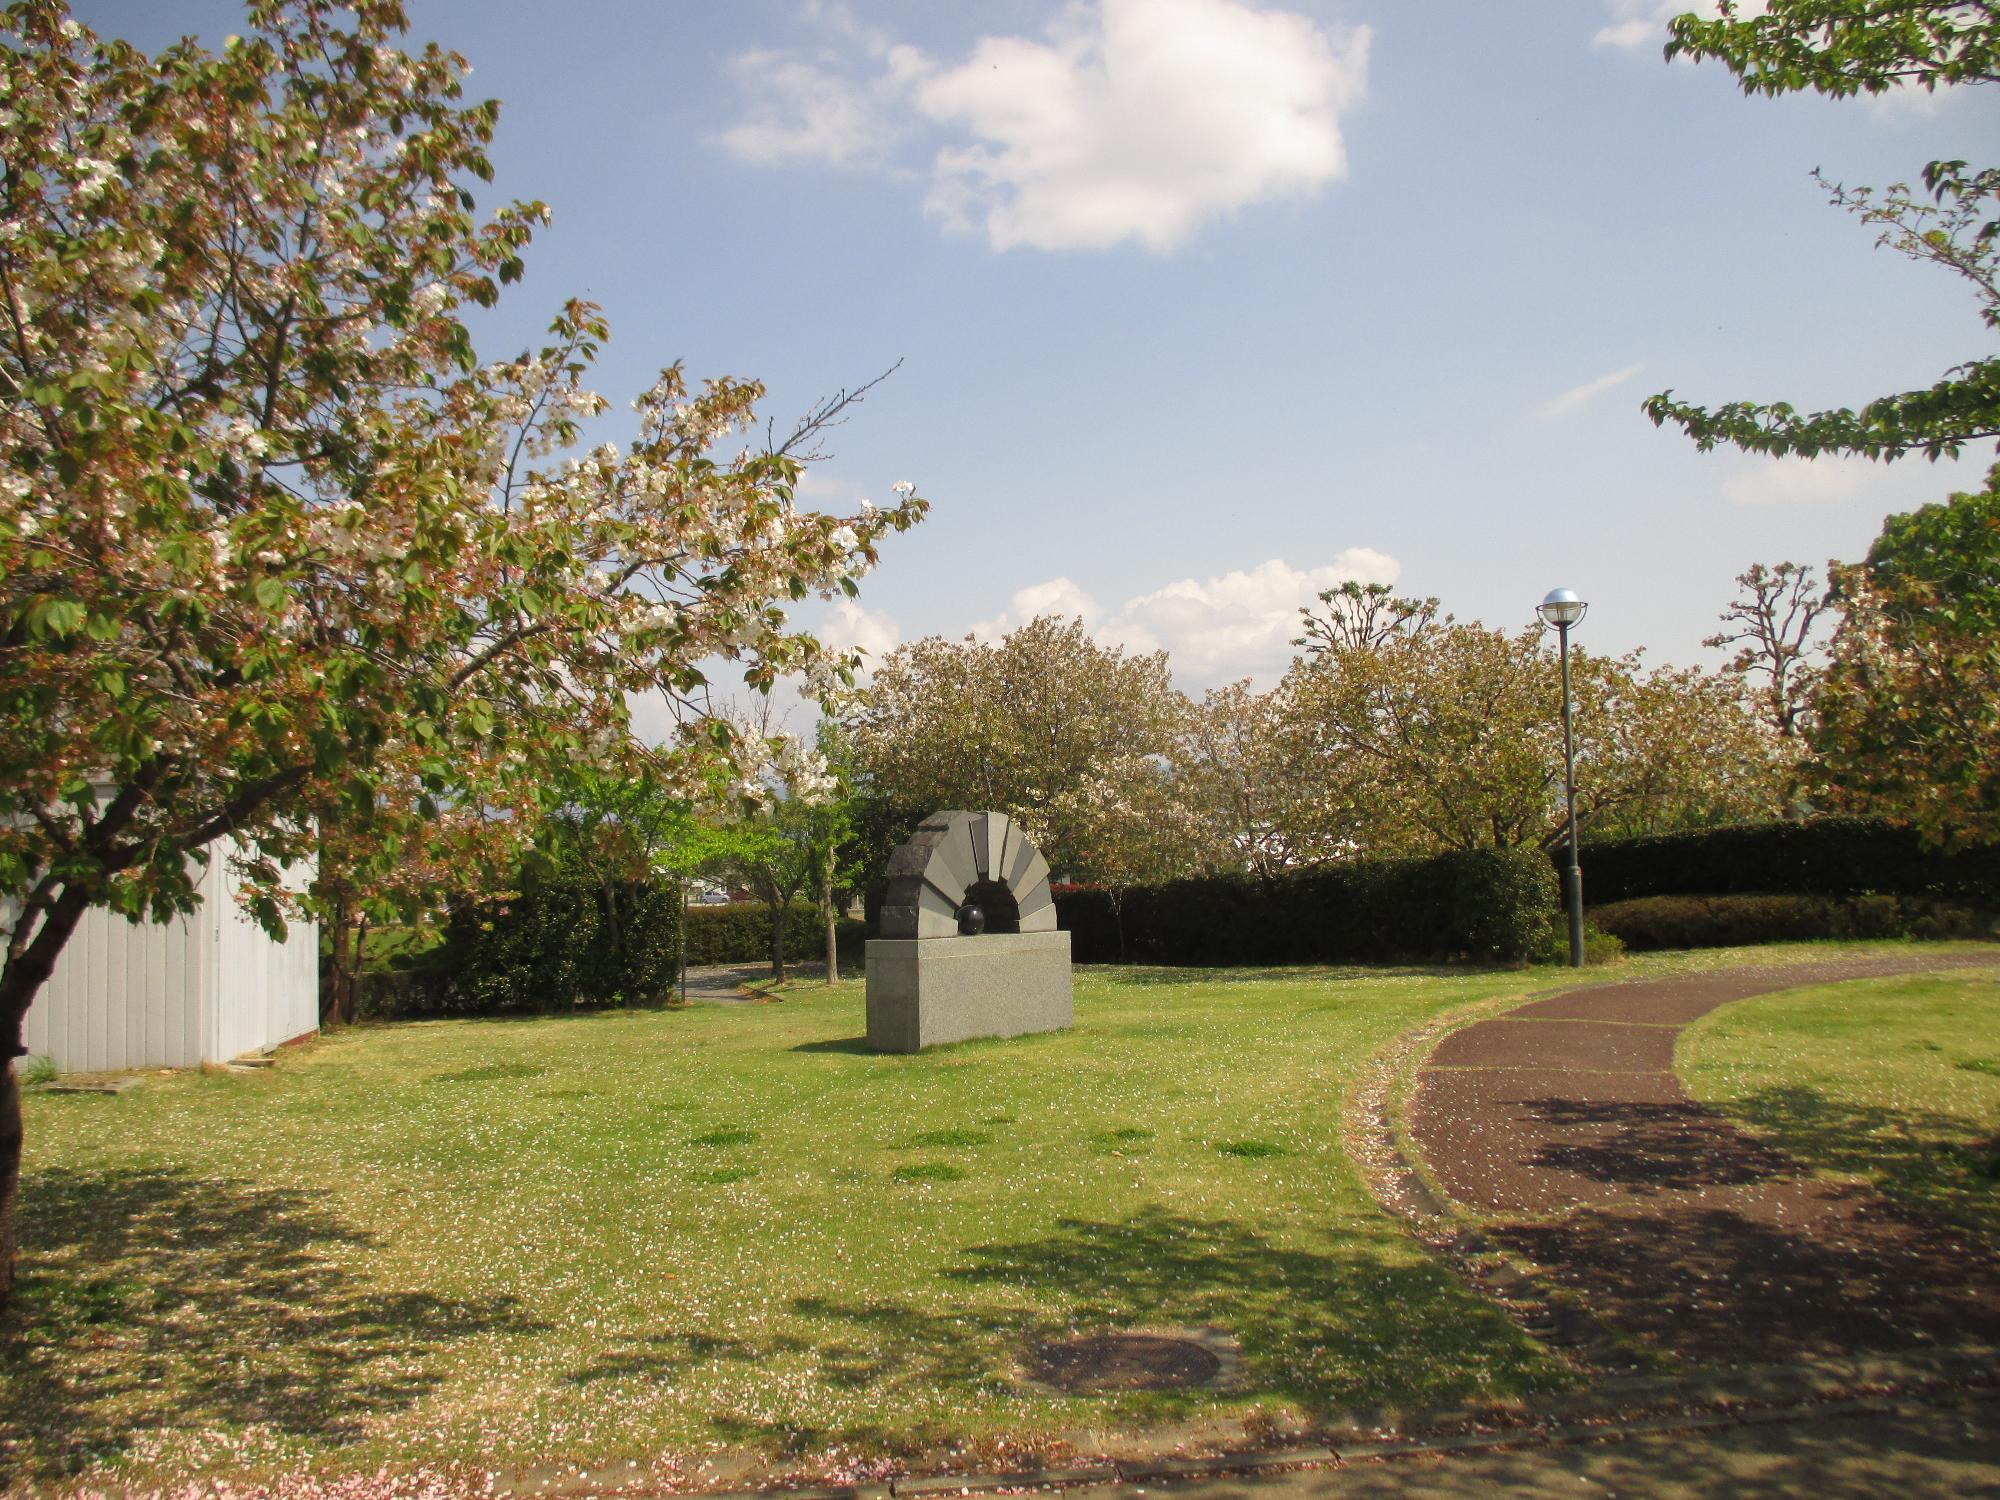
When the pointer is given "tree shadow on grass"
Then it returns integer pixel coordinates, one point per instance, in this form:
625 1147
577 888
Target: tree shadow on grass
892 1348
150 1300
1330 1326
1342 1324
1924 1160
661 1356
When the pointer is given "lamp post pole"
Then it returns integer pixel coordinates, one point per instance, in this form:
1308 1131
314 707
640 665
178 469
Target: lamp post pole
1563 609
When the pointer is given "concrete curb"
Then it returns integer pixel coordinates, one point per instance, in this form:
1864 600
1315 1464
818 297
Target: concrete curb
1640 1406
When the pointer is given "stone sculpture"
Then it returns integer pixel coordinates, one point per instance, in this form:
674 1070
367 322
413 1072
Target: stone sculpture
969 945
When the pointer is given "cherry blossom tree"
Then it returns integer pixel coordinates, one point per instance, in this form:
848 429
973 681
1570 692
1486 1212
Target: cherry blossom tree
275 546
1235 761
1909 706
1017 725
1776 626
783 836
1447 735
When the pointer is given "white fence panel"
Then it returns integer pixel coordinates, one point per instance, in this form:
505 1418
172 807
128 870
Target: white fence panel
125 995
202 988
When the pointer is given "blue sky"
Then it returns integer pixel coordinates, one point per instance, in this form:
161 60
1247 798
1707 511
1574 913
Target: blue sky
1204 304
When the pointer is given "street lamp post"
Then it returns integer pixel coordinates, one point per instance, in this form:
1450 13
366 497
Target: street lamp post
1563 609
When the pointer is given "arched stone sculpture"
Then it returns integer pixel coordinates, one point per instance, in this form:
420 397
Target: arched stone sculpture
951 856
929 982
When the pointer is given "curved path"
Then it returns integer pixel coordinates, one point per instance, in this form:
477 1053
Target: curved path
1564 1121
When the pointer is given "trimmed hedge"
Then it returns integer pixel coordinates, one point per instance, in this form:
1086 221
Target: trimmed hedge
1648 922
741 934
1819 857
1489 904
550 948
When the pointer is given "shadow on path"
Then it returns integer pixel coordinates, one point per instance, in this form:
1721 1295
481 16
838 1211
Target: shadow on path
1671 1223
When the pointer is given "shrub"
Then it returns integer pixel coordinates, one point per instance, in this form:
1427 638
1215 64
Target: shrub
1820 857
549 948
1650 922
1599 947
1486 904
1504 901
552 947
741 934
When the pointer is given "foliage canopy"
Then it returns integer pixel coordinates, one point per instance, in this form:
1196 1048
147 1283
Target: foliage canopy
1841 48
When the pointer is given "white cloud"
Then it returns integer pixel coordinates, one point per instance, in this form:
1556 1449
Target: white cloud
849 624
1126 121
1059 596
829 491
1904 100
805 111
1826 480
1631 33
654 720
1637 23
1578 395
1141 122
1214 630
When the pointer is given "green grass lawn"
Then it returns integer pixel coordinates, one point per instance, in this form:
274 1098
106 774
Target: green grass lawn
1894 1082
512 1241
502 1243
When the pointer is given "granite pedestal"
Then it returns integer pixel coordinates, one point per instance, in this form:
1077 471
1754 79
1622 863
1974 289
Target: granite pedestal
923 991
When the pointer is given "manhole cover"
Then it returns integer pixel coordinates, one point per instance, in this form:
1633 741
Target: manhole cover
1123 1362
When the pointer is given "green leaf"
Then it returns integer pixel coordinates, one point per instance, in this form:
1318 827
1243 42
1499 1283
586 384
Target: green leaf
55 617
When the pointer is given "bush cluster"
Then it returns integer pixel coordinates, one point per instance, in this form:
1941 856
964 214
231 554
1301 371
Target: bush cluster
1725 921
741 934
1818 857
1489 904
1599 946
551 947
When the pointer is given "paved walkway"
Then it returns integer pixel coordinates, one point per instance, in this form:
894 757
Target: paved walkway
1910 1451
1564 1122
722 984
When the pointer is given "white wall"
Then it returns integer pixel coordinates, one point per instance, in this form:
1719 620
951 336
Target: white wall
126 995
203 988
265 992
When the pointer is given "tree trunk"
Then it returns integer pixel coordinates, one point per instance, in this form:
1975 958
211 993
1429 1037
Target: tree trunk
614 935
10 1175
336 1001
826 909
25 974
778 915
